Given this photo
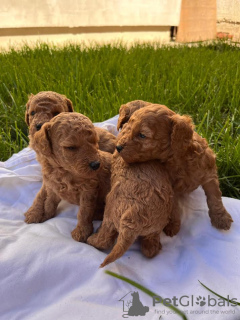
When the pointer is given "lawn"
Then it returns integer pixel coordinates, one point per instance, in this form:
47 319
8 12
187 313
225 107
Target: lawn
202 81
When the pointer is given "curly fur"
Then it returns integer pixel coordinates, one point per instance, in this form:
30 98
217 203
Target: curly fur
45 105
154 132
137 205
126 110
67 147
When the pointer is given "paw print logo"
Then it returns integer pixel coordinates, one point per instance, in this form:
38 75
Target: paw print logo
201 301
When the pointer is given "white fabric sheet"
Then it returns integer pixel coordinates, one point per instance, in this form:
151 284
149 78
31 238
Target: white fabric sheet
45 274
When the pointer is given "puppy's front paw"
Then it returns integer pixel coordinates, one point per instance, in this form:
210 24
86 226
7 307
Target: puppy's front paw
80 234
222 220
32 217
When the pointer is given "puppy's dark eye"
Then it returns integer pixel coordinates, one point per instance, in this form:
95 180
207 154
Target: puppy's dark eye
72 148
55 114
142 135
32 113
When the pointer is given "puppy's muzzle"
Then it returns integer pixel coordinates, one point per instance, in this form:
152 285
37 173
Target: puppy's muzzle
94 165
39 126
119 148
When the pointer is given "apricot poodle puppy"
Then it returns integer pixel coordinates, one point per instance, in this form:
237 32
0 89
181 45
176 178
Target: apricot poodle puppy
126 110
156 132
74 169
45 105
137 205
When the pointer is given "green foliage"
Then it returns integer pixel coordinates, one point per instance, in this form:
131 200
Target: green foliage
202 80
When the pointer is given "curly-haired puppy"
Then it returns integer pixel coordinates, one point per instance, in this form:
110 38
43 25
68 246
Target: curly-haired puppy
137 205
126 110
74 169
45 105
154 132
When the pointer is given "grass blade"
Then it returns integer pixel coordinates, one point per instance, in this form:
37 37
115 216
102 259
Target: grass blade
233 302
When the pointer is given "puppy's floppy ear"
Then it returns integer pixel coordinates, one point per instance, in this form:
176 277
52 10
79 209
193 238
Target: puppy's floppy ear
42 140
27 108
69 105
182 132
124 115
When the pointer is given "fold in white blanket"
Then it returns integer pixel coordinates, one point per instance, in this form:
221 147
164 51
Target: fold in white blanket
45 274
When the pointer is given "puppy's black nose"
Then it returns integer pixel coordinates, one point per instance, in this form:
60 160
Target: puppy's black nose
94 165
38 126
119 148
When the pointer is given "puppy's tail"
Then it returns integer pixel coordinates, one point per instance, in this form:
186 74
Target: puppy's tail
126 237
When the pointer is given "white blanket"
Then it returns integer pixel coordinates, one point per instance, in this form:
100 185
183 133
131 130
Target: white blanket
45 274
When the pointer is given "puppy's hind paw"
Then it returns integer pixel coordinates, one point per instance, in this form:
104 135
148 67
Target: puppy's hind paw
172 228
80 235
93 240
150 248
99 242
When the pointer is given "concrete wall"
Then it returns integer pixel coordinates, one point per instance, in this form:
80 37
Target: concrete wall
91 17
85 13
202 19
228 17
228 10
197 21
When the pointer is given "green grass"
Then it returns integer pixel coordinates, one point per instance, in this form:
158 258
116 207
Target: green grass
202 81
218 295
